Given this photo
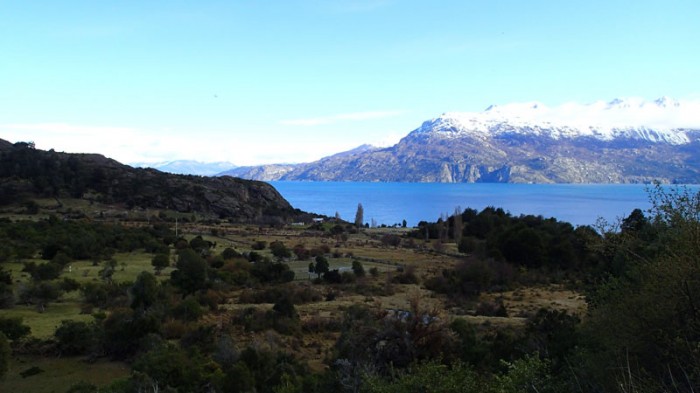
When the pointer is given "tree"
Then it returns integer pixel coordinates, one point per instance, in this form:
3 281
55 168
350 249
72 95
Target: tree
230 253
124 329
5 353
428 377
108 270
321 266
188 310
75 338
191 273
457 225
644 320
13 328
171 366
358 269
160 262
40 294
144 292
359 216
279 250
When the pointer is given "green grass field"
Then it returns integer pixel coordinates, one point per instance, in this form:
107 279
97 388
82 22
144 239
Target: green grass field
43 324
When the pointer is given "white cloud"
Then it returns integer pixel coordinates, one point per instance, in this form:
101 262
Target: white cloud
133 145
343 117
124 144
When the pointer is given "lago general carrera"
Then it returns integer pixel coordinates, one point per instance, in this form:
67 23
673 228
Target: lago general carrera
391 203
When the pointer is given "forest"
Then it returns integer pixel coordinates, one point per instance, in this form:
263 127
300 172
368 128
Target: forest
221 307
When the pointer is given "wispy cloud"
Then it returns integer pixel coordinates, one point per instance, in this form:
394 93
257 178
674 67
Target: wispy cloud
136 145
125 144
343 117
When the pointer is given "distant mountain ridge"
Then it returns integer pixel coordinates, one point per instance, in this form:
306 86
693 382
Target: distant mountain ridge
295 171
620 141
187 167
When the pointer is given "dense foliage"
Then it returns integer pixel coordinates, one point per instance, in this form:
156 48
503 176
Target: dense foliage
527 241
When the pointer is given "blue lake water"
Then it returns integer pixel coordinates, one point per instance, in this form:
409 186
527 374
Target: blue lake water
390 203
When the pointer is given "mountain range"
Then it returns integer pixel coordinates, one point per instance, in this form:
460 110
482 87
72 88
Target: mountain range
619 141
187 167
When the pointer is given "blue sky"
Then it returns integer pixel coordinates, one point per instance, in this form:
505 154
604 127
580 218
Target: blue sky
255 82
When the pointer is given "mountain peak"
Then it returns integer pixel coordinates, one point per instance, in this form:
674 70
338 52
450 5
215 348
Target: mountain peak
666 102
661 120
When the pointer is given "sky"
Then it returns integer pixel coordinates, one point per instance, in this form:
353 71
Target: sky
256 82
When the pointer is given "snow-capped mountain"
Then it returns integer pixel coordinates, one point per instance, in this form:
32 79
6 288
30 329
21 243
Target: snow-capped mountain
662 120
187 167
618 141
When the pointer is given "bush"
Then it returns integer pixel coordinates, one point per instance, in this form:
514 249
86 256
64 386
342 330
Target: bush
358 269
75 338
259 245
296 294
188 310
279 250
408 276
492 309
160 262
13 328
230 253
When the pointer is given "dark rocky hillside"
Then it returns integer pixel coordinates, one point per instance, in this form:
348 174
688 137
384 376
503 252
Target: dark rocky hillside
27 172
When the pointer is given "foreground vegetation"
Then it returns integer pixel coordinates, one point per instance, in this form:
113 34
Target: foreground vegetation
476 302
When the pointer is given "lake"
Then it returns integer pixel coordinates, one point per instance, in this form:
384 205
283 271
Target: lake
390 203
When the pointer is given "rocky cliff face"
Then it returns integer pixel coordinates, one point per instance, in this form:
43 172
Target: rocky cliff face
620 141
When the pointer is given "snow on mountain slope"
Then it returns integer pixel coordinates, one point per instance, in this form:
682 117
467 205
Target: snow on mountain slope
662 120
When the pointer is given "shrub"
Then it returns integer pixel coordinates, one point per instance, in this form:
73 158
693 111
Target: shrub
492 309
188 310
358 269
259 245
75 338
13 328
279 250
230 253
407 276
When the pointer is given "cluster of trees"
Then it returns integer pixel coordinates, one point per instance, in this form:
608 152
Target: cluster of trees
156 324
57 243
526 240
642 283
